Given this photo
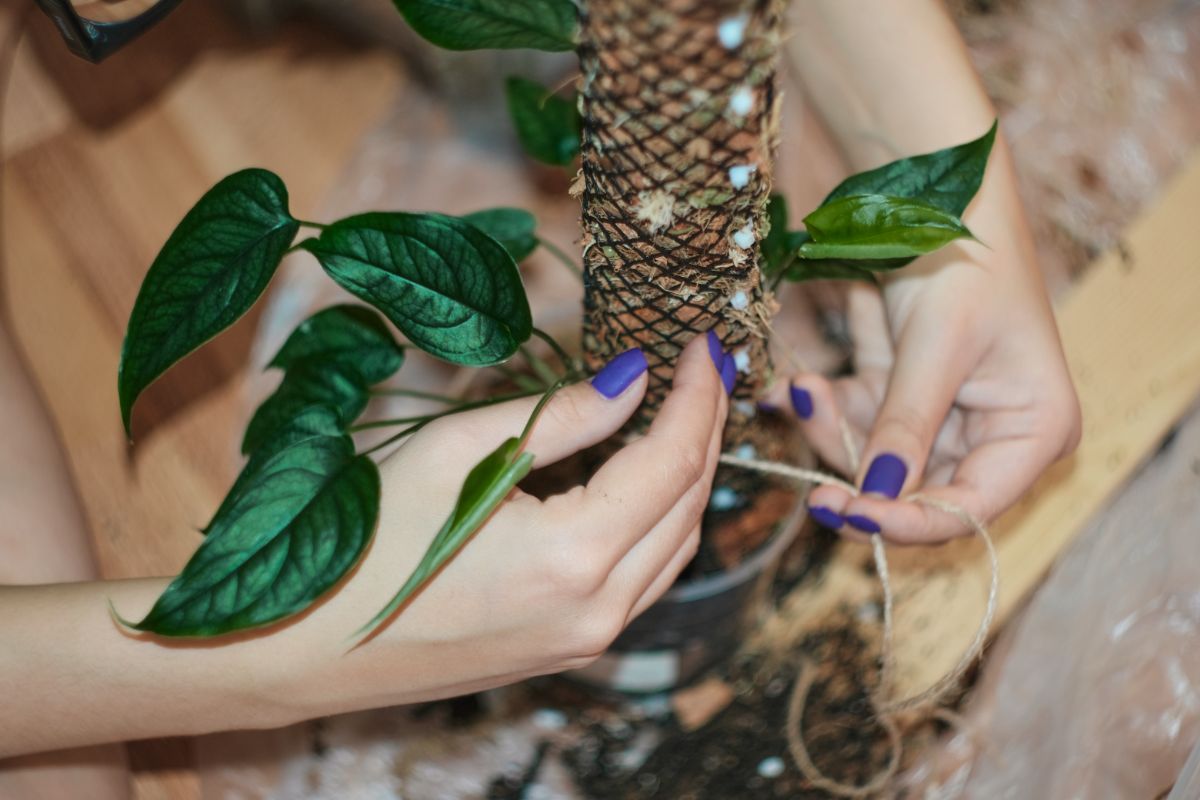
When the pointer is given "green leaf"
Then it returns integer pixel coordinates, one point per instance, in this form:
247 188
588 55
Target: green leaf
946 179
512 227
290 535
775 251
547 125
876 227
313 422
212 269
831 269
500 24
484 489
349 336
451 289
332 386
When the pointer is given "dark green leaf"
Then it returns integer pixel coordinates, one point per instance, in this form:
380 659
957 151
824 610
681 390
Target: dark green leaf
775 251
946 179
335 387
349 336
484 489
284 541
831 269
310 423
450 288
511 227
500 24
547 125
213 267
875 227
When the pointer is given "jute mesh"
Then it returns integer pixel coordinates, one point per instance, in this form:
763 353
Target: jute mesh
679 119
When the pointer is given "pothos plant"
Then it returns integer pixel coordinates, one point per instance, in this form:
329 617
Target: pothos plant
305 506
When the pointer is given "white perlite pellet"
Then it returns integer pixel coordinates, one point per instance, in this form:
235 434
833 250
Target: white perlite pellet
741 102
741 360
739 175
732 30
744 237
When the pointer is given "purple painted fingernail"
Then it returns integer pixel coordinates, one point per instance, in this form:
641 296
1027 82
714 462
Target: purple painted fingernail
885 476
826 517
715 351
864 524
729 373
619 373
802 402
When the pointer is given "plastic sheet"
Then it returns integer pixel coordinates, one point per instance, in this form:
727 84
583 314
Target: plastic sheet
1101 102
1095 693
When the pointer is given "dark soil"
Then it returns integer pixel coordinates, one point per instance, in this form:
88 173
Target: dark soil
732 755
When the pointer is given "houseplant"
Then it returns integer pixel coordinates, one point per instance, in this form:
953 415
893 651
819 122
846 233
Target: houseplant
674 127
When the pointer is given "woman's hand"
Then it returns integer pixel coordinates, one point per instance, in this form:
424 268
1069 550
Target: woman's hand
545 585
960 389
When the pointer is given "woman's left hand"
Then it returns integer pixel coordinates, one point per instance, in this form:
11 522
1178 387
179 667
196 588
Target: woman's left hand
960 389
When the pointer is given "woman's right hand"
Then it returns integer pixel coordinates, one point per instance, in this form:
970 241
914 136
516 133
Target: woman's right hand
544 586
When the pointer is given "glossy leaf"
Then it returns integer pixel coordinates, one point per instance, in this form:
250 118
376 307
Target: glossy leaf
499 24
831 269
313 422
212 269
547 125
349 336
946 179
484 489
877 227
451 289
289 536
774 247
335 387
512 227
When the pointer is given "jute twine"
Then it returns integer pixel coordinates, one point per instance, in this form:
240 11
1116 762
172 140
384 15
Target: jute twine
885 709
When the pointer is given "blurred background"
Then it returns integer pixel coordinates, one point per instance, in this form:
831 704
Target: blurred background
1100 100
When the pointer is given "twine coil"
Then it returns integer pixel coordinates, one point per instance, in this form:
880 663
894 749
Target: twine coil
885 709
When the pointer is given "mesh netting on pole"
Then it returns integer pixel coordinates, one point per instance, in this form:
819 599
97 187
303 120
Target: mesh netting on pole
679 123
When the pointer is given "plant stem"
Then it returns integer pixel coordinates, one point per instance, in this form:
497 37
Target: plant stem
563 356
440 398
537 410
523 381
540 367
562 257
318 225
420 422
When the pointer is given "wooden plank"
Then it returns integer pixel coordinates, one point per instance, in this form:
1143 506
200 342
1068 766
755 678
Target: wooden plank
86 209
1131 331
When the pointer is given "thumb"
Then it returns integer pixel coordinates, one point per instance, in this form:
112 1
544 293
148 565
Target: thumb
577 417
925 379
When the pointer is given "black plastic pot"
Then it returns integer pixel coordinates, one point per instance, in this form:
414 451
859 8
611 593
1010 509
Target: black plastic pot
693 625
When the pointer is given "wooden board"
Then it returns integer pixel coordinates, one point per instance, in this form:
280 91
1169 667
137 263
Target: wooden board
101 162
1131 330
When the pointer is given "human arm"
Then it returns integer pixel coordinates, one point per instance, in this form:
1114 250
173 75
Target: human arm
543 586
959 374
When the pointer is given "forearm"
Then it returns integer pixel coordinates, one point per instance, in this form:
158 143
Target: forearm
894 79
889 79
72 676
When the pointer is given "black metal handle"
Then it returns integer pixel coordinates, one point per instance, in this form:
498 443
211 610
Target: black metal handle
94 40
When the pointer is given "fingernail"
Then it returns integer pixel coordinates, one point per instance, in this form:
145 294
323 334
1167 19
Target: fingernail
864 524
802 402
715 351
885 476
729 373
619 373
826 517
